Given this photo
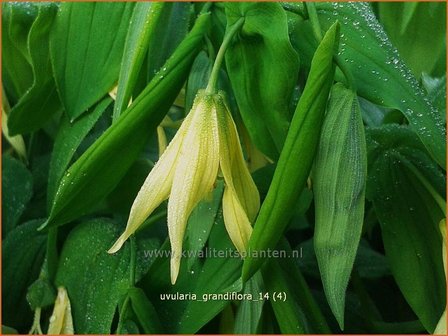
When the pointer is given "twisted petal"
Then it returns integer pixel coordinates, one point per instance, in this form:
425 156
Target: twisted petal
241 200
156 187
195 173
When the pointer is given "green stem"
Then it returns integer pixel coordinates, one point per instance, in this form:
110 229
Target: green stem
52 253
206 8
346 72
123 312
312 15
211 87
295 8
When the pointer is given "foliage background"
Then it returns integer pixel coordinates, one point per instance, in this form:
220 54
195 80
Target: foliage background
57 71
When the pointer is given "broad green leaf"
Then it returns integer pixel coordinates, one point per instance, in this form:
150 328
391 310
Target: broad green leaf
217 275
262 53
142 29
22 256
17 189
145 311
96 173
68 139
301 143
339 183
168 36
380 74
86 44
409 214
95 280
121 198
41 101
418 30
248 314
380 140
201 222
17 76
295 308
436 88
198 78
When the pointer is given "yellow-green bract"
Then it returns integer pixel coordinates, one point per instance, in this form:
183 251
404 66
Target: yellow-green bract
339 183
101 167
297 155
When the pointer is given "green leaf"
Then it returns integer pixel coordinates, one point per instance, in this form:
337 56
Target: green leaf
339 184
217 275
295 308
380 74
41 101
145 311
198 78
301 143
418 30
168 36
248 314
143 28
262 53
95 280
17 76
17 189
401 138
436 88
120 200
201 222
22 256
86 44
96 173
69 137
409 215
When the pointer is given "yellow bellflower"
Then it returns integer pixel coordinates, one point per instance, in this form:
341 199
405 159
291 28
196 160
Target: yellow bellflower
206 142
61 322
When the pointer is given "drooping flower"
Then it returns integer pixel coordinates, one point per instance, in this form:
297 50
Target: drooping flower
61 322
206 142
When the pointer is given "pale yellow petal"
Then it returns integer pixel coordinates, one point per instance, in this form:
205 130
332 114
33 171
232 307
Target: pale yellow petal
161 139
236 221
61 322
195 173
233 167
255 158
16 141
156 187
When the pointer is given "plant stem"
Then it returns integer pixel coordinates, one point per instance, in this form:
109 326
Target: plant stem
211 86
346 72
312 15
206 8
